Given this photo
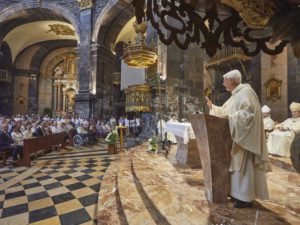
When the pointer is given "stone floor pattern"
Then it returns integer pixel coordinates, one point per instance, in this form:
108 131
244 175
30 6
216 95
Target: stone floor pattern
62 188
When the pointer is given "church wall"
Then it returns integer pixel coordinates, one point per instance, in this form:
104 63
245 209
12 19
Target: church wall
21 87
275 67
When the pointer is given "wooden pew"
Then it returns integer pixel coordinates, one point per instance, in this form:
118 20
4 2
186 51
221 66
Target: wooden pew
4 156
34 145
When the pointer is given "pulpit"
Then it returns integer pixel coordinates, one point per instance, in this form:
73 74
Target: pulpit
187 152
214 144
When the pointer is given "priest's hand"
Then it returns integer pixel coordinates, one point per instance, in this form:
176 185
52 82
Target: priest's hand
208 102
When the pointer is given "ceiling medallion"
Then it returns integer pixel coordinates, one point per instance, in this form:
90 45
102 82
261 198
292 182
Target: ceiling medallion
85 4
60 29
177 22
140 54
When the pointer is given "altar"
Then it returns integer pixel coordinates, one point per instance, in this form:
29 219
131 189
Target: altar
187 152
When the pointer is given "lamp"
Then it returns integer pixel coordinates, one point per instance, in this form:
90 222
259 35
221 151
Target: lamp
140 54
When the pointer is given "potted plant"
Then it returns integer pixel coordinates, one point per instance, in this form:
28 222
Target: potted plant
111 141
152 144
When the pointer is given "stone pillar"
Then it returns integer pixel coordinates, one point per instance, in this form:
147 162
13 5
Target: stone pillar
276 67
85 99
59 97
64 102
105 62
184 80
54 97
33 94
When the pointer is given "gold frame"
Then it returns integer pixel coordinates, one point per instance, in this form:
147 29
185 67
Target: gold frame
273 89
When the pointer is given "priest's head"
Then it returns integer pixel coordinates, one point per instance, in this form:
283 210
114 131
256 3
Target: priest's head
295 109
232 79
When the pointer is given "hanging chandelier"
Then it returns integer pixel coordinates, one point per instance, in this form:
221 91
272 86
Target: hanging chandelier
140 54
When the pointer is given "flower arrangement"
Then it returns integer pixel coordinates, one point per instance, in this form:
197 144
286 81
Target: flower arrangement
112 138
152 144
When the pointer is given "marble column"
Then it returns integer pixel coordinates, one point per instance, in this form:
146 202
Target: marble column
85 99
104 63
184 79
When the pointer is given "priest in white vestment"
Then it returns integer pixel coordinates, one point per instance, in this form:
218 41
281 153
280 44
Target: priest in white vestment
281 139
269 124
249 155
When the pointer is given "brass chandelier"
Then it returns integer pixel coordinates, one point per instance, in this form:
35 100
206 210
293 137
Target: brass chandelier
140 54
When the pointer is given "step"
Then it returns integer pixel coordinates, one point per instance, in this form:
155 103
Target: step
168 193
134 208
109 210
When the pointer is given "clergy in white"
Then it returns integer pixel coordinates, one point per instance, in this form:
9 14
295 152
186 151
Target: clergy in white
249 155
269 124
281 139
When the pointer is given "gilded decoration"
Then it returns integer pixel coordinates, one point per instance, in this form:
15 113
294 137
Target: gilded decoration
255 13
85 4
138 98
60 29
65 88
273 89
140 54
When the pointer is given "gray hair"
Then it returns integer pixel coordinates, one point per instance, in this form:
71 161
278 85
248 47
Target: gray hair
234 75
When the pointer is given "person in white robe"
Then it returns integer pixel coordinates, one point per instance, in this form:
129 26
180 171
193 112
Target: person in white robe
269 124
249 155
281 139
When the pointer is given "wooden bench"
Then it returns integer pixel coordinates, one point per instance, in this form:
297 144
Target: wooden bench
34 145
4 156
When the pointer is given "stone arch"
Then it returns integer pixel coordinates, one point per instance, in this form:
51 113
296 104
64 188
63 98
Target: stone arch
16 10
113 10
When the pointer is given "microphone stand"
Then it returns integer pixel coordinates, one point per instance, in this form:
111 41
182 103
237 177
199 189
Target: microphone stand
161 144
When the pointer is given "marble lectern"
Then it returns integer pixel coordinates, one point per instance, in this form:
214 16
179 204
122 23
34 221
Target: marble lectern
187 152
214 144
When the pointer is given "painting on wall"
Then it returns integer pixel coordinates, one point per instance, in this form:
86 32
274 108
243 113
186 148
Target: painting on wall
273 89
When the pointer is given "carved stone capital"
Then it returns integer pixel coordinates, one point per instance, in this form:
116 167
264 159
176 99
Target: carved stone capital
85 4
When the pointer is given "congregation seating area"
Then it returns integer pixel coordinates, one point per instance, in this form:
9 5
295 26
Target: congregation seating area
33 147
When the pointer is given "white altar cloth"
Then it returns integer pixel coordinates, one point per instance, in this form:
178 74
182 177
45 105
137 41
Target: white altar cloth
183 130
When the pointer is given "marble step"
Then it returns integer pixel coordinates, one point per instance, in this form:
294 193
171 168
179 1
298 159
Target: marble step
109 209
168 193
132 203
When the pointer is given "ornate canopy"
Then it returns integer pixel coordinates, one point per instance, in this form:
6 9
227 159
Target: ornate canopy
252 25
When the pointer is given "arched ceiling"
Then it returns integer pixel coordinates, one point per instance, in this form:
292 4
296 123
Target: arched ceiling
28 34
127 32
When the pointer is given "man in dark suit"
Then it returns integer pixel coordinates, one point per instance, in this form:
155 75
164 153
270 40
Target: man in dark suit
6 144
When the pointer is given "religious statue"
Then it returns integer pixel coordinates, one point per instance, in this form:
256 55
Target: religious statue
59 71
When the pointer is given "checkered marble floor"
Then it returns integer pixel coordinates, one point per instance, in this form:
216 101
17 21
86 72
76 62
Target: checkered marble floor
64 191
